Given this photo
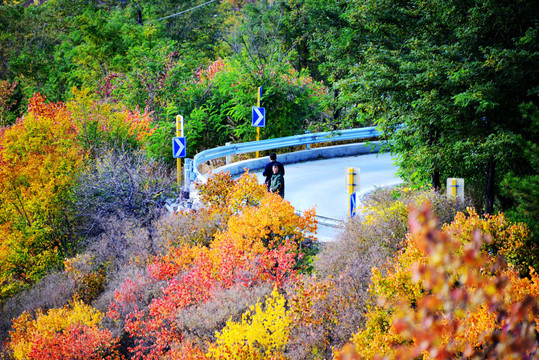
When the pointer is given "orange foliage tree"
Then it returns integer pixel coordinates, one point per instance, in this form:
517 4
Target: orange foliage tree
446 297
39 157
259 245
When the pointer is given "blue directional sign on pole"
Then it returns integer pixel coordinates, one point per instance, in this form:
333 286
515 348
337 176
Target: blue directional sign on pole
259 116
179 150
353 204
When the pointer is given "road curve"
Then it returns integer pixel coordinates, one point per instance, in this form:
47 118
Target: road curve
322 183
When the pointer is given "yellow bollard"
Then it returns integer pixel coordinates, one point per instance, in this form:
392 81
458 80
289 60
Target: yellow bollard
455 188
350 180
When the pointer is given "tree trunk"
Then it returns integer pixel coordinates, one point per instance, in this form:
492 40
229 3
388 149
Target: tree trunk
436 184
489 187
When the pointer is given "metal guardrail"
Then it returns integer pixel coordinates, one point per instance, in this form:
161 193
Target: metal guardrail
269 144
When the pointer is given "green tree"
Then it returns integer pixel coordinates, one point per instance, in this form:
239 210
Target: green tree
461 78
28 37
325 43
217 106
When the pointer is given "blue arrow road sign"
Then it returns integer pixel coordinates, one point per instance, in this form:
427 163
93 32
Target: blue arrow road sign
353 202
179 149
259 117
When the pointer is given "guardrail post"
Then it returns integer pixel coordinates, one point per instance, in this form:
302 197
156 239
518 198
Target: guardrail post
228 157
188 168
307 146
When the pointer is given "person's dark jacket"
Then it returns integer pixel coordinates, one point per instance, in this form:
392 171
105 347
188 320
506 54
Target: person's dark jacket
277 184
268 172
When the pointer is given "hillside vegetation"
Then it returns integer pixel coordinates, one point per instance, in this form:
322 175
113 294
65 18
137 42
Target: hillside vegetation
92 267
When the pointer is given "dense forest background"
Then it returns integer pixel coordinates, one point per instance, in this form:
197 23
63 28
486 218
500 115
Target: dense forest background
91 266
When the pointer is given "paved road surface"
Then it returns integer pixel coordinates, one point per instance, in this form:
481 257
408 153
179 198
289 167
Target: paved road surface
322 184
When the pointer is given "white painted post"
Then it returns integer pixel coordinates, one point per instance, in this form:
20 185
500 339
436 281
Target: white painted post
307 146
228 157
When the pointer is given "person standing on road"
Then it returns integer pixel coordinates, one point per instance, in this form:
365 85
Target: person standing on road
277 181
268 171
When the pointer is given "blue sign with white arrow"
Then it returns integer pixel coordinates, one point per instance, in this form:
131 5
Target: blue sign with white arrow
179 149
259 117
353 204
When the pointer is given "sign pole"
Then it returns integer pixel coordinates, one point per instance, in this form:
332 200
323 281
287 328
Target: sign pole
258 128
179 132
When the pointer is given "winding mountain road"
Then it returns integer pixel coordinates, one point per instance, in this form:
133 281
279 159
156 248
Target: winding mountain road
322 184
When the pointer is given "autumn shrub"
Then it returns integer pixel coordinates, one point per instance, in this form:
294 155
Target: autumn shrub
314 306
188 227
262 333
364 242
508 239
258 245
388 208
225 195
120 185
445 297
89 277
71 332
131 279
327 304
243 197
377 232
216 191
54 290
382 224
199 324
42 156
122 241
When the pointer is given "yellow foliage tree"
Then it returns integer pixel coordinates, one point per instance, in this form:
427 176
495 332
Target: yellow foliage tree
262 333
68 333
39 157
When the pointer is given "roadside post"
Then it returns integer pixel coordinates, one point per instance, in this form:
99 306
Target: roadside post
228 157
352 182
179 147
258 118
455 188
